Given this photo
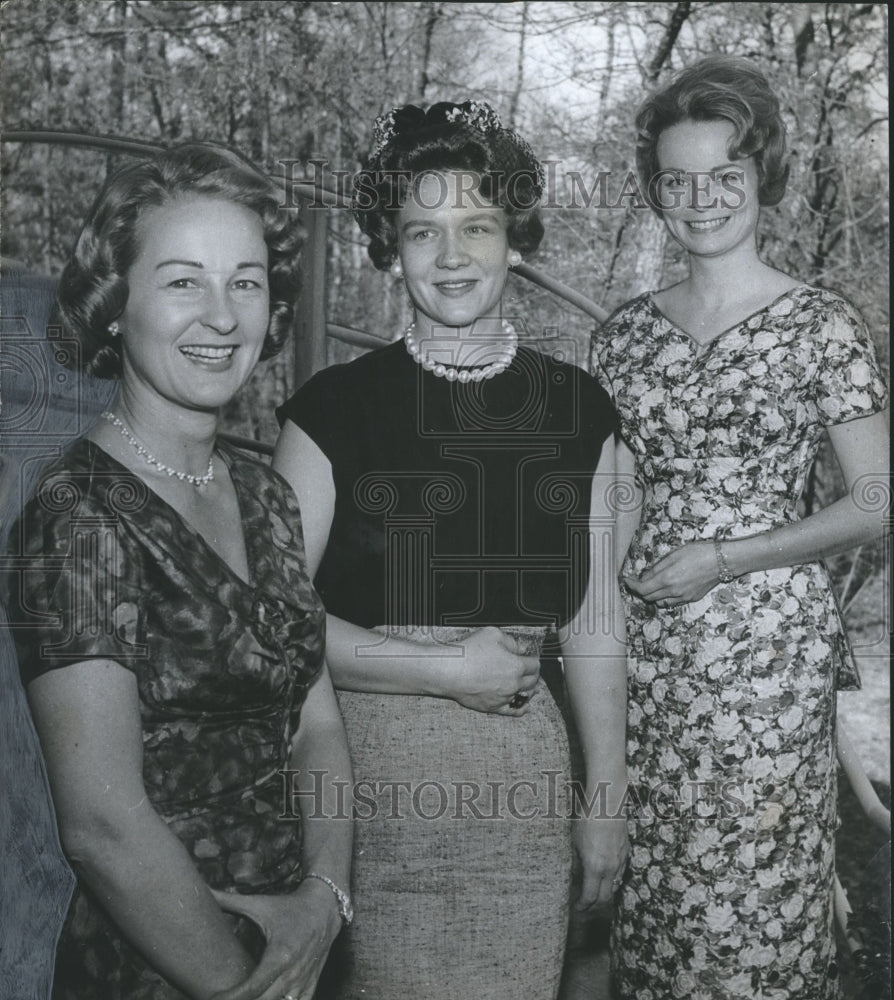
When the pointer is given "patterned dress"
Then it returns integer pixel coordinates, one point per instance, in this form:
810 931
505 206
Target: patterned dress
109 570
730 746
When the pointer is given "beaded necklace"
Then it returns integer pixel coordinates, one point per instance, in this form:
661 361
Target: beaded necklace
464 374
144 453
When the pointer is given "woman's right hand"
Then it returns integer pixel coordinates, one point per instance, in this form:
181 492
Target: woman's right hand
493 674
298 930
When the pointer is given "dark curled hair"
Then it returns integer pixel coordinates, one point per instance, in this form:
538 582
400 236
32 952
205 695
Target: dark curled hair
724 88
93 288
467 138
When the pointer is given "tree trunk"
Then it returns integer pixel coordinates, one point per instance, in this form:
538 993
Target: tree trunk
519 67
118 66
264 76
431 20
606 82
649 266
665 46
46 155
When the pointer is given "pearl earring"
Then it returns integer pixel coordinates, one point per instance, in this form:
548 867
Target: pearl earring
397 270
114 329
514 258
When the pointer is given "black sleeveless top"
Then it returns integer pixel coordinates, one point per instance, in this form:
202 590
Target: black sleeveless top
456 503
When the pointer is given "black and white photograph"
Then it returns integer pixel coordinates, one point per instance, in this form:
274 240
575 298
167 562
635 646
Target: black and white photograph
446 535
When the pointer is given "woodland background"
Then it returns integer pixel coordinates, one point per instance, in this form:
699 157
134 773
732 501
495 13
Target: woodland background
303 81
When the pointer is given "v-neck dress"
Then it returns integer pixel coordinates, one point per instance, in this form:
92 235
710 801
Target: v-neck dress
107 569
730 744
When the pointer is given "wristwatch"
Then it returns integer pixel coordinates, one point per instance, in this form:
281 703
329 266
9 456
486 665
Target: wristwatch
345 906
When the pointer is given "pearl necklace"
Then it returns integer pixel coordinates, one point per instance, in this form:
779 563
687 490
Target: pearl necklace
153 461
464 374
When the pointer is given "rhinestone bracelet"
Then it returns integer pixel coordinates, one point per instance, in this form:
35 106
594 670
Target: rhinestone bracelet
345 906
724 573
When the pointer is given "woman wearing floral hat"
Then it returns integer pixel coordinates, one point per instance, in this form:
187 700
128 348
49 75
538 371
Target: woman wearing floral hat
449 486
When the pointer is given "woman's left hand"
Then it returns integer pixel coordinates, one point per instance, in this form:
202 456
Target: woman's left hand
682 576
298 928
602 846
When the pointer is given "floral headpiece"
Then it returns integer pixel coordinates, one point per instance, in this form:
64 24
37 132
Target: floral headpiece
476 115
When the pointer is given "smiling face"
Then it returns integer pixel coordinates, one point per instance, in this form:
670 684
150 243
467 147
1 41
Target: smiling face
710 202
198 302
454 252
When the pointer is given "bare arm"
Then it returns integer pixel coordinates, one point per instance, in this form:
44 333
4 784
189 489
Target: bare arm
628 506
861 447
594 654
87 716
320 745
299 460
482 673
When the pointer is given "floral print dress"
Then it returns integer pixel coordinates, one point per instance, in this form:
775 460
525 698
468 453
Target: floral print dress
730 739
107 569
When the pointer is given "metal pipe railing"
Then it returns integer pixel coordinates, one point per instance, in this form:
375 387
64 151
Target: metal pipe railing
64 137
356 338
562 291
320 195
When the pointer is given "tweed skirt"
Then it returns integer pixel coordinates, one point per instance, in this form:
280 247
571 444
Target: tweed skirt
462 848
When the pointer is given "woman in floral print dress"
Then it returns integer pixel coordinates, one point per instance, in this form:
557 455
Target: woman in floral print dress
725 384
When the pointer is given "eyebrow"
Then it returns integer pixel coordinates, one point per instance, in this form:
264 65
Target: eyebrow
413 223
479 217
201 267
735 164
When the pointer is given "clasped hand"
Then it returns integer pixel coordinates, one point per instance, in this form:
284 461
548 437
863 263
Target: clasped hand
680 577
493 675
298 929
